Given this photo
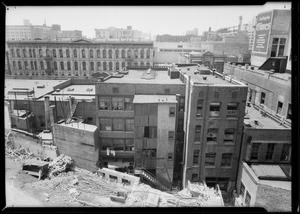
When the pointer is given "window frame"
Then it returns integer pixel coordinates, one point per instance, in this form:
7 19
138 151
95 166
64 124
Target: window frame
208 162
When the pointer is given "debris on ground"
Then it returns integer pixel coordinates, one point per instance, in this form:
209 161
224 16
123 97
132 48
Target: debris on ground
60 164
20 153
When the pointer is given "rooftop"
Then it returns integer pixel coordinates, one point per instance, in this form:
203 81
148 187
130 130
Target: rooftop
263 122
135 77
207 79
80 125
154 99
40 87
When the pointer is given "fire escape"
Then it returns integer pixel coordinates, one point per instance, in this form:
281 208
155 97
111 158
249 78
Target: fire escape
73 109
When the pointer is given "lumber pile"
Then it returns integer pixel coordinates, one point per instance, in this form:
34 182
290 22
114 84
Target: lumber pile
20 153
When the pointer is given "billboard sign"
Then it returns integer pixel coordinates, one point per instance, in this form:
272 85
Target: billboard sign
262 33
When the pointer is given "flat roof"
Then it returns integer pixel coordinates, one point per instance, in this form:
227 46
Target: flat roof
13 84
198 78
154 99
253 114
80 125
268 171
134 77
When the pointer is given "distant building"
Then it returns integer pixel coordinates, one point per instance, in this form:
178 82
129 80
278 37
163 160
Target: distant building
173 38
208 59
80 58
193 32
112 33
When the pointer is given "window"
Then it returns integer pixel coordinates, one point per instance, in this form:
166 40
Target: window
118 145
242 190
83 66
172 111
104 53
146 132
167 91
118 124
142 54
170 156
92 66
128 103
150 132
226 159
26 65
105 124
129 145
136 54
117 103
104 66
40 53
69 65
233 94
91 53
12 52
181 104
129 125
105 143
148 54
110 54
229 135
210 159
270 151
248 199
279 107
195 177
104 103
14 65
254 151
216 94
196 157
75 53
24 53
262 97
115 90
197 133
62 66
117 66
117 54
76 66
214 109
68 53
212 134
289 112
30 53
285 153
61 55
83 53
278 46
199 107
98 53
171 135
42 65
123 54
98 66
123 65
18 53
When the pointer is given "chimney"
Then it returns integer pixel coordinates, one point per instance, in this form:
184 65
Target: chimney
47 112
240 23
209 29
52 121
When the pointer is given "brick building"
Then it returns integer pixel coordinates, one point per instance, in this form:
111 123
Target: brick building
75 58
209 59
173 38
215 108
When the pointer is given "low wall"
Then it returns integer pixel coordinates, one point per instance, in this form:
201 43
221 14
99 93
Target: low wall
34 146
121 177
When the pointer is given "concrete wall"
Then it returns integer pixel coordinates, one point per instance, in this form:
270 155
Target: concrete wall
165 123
33 145
274 199
166 57
80 144
107 173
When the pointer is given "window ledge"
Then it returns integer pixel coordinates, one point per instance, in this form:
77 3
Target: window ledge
212 142
226 167
232 118
210 167
197 143
228 144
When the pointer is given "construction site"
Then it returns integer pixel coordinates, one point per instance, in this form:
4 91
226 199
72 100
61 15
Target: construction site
56 151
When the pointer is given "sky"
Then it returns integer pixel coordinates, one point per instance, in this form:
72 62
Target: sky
174 20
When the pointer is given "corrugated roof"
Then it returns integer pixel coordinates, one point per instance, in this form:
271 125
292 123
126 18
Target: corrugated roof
154 99
268 171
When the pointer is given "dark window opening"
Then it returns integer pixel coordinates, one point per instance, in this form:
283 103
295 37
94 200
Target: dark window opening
146 132
196 157
172 111
262 98
270 151
254 151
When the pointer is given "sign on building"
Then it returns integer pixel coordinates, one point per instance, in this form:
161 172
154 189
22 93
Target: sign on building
263 28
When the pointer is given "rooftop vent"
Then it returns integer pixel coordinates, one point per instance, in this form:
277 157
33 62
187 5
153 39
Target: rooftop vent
204 77
188 69
256 122
41 86
70 89
89 89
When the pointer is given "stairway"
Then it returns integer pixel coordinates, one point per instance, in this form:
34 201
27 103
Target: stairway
73 109
158 183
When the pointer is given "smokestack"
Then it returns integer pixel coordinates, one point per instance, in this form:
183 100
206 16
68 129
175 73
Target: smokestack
47 112
209 29
240 23
52 121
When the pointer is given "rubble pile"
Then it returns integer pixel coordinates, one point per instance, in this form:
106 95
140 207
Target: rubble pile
20 153
60 164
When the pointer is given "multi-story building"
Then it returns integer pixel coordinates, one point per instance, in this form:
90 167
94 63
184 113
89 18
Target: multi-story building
211 60
193 32
18 32
173 38
75 58
272 35
215 107
113 33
